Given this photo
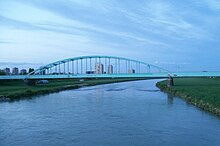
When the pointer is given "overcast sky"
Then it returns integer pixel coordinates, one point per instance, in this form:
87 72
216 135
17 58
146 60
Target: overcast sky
174 34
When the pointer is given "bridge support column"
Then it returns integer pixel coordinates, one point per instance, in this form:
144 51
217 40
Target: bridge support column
29 82
170 82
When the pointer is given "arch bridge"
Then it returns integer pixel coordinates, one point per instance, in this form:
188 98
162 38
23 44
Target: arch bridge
97 67
103 67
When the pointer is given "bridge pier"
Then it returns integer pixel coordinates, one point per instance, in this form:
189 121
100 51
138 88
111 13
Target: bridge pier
29 82
170 82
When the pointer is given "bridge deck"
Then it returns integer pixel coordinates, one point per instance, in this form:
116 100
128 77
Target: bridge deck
136 75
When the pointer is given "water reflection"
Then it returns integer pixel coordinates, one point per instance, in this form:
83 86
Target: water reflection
170 98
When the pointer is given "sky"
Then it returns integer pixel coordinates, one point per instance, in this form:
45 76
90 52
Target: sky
176 35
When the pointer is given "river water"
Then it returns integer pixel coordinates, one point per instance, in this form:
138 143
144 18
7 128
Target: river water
129 113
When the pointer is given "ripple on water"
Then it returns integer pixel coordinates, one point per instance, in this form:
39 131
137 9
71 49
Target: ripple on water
148 90
116 89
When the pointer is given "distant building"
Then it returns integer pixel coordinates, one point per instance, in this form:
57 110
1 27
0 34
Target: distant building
99 68
131 71
15 71
7 71
23 71
110 69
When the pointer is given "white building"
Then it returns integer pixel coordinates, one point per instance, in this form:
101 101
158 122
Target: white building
110 69
99 68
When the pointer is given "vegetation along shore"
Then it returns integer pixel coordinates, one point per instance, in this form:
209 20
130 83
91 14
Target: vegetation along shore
16 89
201 92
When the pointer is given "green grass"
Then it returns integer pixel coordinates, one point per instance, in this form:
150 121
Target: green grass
16 89
196 90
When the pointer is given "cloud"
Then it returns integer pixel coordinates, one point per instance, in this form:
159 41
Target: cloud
74 27
213 4
171 63
86 27
19 65
7 22
154 30
153 17
164 19
5 42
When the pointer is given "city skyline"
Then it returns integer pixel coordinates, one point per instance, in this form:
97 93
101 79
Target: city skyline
174 35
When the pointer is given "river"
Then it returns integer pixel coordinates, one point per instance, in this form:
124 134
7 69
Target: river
129 113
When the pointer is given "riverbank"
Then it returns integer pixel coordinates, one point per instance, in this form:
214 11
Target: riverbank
201 92
16 89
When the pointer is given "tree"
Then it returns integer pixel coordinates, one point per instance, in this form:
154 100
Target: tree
30 70
2 72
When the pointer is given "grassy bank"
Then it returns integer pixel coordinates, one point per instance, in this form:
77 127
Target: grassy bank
202 92
16 89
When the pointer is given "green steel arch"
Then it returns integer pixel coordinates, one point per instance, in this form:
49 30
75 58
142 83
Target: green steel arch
54 64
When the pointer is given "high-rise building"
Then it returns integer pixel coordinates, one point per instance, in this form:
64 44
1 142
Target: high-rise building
15 71
23 71
7 71
110 69
99 68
